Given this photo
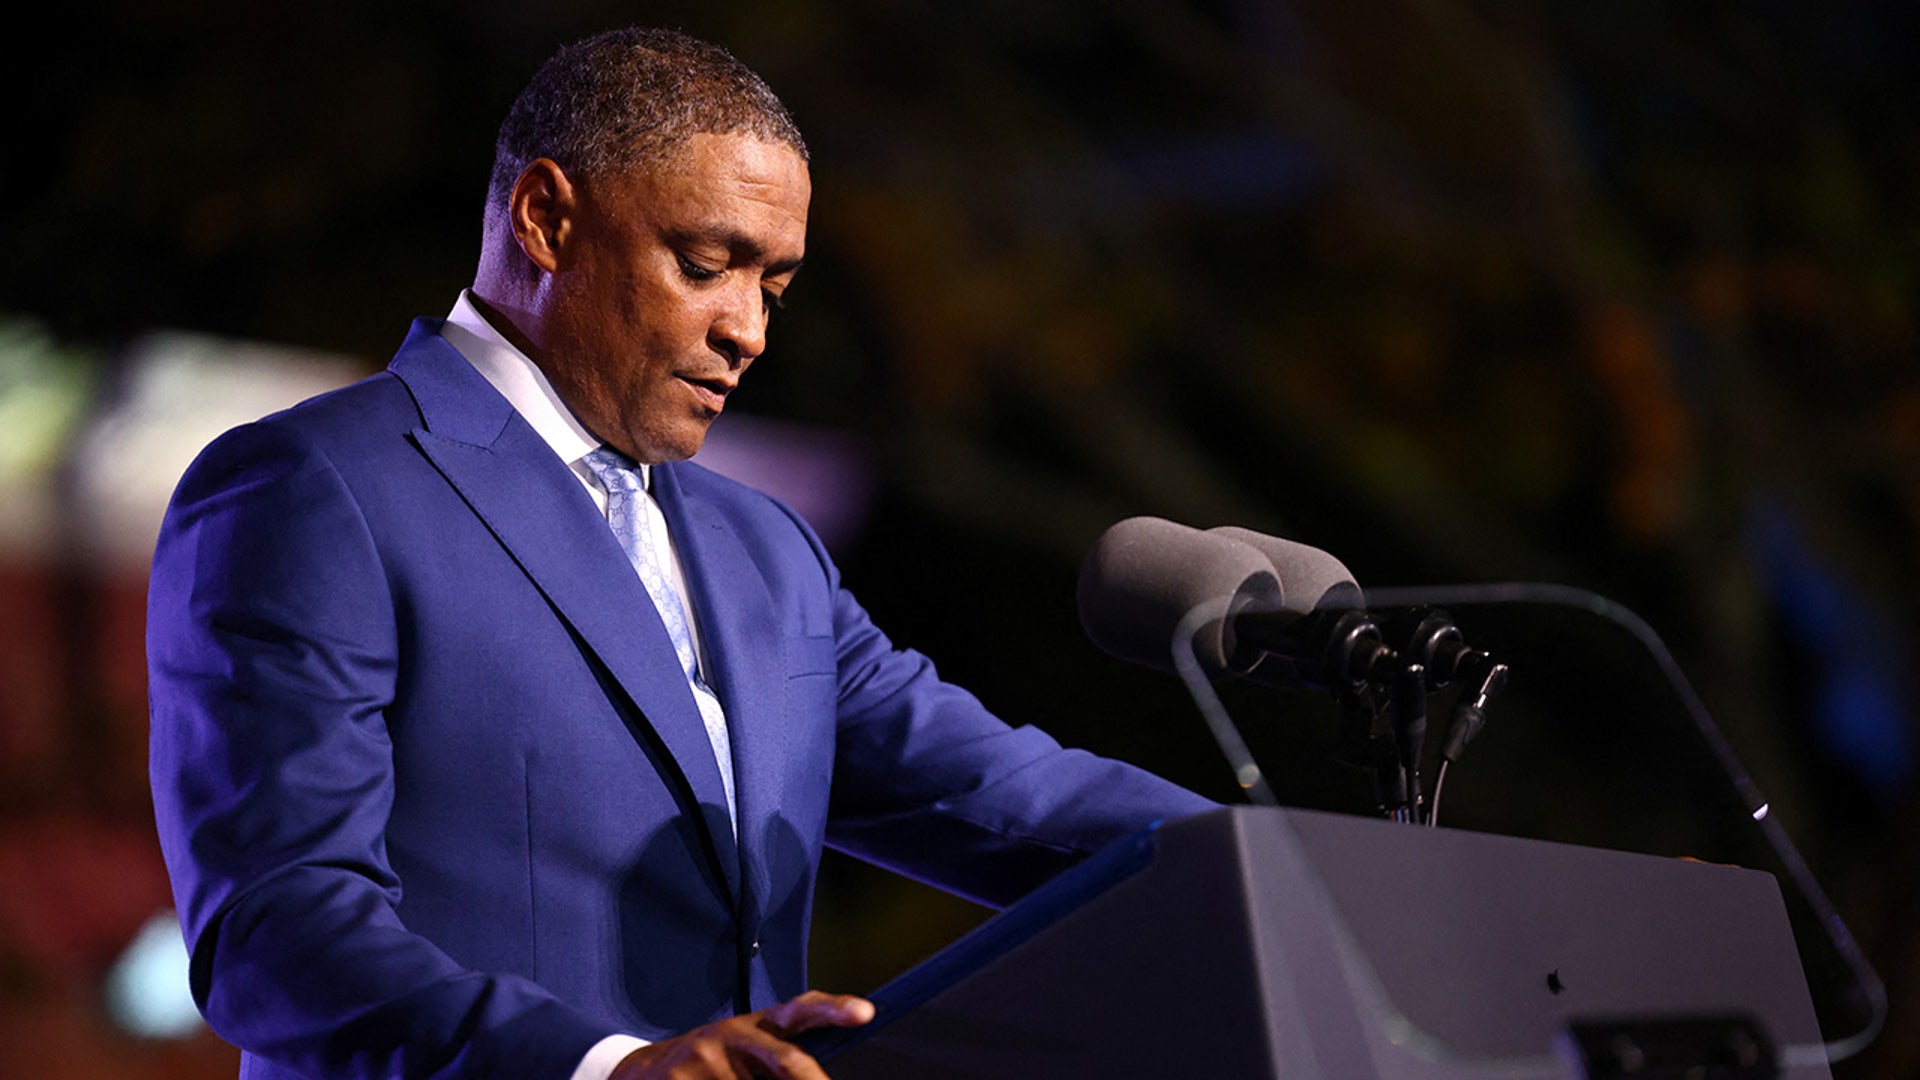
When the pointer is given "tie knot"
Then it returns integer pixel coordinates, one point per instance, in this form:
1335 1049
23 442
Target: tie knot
616 473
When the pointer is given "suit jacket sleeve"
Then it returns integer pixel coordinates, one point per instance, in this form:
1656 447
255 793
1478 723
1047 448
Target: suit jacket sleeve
272 651
929 783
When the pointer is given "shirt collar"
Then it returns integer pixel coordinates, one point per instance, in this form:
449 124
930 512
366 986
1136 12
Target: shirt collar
522 383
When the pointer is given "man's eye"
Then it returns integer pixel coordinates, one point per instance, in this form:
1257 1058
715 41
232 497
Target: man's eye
694 271
771 300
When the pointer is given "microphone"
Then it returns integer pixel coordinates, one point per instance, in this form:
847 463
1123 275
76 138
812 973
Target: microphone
1325 639
1287 616
1290 614
1147 581
1310 577
1145 575
1335 645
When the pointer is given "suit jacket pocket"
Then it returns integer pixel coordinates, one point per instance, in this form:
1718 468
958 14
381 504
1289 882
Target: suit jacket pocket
811 656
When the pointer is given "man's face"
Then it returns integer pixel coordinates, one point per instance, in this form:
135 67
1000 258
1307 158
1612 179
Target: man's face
663 300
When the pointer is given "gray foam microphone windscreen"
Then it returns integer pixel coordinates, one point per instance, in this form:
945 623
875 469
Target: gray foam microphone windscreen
1145 575
1309 578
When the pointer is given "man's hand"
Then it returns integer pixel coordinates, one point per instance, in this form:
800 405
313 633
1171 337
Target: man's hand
753 1045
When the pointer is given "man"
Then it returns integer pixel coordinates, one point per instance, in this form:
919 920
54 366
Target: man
454 779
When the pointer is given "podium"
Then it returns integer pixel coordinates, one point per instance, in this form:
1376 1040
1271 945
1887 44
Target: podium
1255 943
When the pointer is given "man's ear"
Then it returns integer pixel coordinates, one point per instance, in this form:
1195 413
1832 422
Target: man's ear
543 209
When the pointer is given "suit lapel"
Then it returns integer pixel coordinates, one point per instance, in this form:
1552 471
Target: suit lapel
740 631
534 505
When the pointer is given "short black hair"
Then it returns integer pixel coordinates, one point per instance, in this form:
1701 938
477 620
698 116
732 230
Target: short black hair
612 100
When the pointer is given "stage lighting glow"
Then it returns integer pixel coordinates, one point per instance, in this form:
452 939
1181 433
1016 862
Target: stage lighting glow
147 990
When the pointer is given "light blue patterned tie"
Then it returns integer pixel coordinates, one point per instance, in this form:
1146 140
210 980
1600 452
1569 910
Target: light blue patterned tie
626 512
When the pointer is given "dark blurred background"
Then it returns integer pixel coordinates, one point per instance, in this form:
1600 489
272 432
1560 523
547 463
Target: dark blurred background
1618 294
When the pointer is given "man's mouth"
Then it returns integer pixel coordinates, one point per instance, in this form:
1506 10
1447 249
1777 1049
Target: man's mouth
711 393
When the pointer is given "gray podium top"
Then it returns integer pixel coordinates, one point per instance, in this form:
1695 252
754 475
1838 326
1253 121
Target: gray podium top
1261 943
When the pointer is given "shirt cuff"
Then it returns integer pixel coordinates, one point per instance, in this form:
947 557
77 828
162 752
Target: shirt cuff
604 1055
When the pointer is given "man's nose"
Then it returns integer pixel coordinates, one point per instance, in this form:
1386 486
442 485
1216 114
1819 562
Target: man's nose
739 329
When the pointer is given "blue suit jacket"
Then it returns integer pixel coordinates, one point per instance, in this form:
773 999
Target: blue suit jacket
433 790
